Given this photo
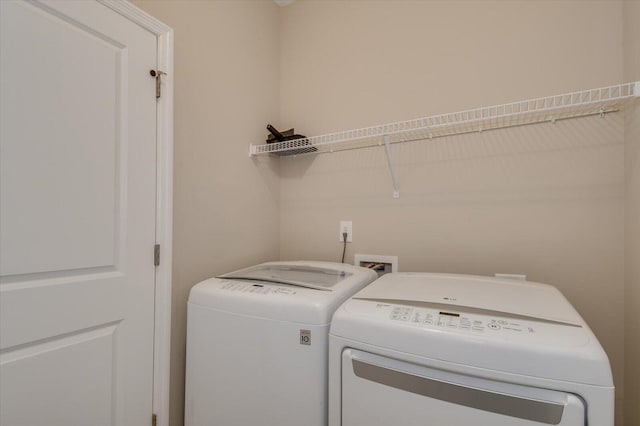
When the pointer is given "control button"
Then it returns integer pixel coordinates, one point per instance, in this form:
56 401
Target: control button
494 326
503 322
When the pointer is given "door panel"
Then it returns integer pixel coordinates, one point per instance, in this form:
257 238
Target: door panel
42 372
77 215
65 164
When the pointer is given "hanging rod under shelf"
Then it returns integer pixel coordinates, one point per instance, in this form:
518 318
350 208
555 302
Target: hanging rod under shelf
548 109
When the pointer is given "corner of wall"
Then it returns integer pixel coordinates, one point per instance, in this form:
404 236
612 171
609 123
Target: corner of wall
631 59
226 205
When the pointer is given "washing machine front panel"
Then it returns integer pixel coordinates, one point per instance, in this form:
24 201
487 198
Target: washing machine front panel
381 391
258 372
257 343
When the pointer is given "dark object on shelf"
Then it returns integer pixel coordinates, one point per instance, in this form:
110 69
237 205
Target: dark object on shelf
289 135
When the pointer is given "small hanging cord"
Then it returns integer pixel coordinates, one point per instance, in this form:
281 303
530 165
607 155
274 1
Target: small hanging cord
344 249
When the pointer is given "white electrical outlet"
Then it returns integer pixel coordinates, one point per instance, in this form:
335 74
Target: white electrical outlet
346 226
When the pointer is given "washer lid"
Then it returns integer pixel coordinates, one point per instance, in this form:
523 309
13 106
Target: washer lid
306 292
314 277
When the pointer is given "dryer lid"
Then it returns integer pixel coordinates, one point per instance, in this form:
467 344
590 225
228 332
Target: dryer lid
518 299
313 277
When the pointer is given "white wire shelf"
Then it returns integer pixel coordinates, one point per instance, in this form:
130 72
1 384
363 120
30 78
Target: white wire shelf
549 109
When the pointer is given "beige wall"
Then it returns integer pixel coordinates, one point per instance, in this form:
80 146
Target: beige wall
226 206
545 200
632 228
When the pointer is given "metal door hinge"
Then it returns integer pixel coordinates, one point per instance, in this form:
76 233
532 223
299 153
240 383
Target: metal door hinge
157 74
156 255
154 420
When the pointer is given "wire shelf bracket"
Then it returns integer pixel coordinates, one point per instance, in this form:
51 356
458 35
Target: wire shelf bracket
549 109
394 180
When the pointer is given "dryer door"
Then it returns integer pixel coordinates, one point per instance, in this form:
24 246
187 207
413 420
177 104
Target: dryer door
384 391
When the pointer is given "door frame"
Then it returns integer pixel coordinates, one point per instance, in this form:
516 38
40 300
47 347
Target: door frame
164 202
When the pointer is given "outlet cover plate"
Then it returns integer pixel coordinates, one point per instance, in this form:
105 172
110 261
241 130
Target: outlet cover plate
346 226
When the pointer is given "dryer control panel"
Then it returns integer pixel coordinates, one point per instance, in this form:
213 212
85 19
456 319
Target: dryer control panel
456 321
461 321
452 320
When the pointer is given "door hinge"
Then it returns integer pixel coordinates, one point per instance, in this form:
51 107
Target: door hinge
156 255
158 74
154 420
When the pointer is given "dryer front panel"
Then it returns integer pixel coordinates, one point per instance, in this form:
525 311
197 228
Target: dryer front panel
382 391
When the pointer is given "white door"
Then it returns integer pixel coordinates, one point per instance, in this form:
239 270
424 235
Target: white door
77 215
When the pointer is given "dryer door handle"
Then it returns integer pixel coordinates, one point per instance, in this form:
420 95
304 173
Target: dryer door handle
511 405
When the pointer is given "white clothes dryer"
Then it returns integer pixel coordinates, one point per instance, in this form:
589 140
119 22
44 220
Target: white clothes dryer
257 343
438 349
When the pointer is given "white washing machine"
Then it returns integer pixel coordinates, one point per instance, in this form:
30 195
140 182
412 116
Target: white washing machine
257 343
454 350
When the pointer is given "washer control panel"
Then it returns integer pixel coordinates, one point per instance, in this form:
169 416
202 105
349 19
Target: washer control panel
459 321
256 288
